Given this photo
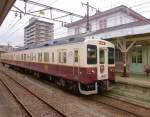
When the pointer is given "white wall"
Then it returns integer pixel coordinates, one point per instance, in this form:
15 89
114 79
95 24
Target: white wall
112 20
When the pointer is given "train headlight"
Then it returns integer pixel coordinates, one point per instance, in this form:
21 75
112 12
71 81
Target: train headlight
91 71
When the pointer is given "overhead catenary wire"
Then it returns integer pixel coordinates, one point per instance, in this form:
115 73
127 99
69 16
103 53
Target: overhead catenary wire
9 30
29 14
13 25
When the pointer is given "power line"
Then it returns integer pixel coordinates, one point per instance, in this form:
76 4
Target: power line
53 2
9 29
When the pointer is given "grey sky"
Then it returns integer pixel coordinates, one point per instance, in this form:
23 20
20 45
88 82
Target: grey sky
12 31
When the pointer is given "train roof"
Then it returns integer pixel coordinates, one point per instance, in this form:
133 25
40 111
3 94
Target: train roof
54 42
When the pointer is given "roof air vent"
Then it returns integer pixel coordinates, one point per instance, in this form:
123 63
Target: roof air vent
71 39
54 42
46 44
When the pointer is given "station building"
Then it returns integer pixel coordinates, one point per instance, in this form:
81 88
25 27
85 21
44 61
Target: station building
128 30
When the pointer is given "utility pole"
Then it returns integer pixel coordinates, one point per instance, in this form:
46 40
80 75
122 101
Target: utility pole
88 25
87 15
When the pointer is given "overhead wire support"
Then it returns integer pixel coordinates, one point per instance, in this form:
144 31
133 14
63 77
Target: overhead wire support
87 15
89 5
41 16
52 8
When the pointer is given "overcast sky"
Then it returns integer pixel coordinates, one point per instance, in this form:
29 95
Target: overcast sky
12 29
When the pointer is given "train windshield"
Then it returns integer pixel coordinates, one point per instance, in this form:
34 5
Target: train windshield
111 55
91 54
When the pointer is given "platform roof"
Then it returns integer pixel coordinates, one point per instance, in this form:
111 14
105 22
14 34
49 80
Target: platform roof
5 6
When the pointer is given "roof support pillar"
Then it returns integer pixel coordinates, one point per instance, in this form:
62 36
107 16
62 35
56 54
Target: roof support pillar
122 46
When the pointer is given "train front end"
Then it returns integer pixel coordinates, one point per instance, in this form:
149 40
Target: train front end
99 67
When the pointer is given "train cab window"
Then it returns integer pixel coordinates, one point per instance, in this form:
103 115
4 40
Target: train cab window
46 57
111 55
64 57
76 55
91 54
101 56
39 57
52 56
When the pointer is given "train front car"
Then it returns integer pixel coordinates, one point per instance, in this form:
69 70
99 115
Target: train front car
99 55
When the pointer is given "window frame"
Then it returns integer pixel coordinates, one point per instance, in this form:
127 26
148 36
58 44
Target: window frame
76 56
101 60
112 59
91 61
46 57
39 56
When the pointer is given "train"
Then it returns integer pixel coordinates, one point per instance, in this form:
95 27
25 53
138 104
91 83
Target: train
79 63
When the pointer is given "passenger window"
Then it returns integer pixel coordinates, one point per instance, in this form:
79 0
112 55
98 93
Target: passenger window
64 57
39 57
59 57
101 56
91 54
76 56
52 56
24 57
31 56
46 57
34 56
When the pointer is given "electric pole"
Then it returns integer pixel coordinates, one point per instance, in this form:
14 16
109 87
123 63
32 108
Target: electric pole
88 25
87 15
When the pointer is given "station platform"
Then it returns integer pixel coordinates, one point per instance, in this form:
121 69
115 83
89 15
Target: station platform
134 79
134 89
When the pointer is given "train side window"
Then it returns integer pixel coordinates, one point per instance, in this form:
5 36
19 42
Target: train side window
28 57
59 57
64 57
34 57
24 57
46 57
39 57
91 54
76 55
52 56
31 56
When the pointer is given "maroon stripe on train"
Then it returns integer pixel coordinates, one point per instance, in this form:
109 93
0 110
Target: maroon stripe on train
66 72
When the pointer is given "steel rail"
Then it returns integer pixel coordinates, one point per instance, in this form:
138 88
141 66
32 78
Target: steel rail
62 114
118 108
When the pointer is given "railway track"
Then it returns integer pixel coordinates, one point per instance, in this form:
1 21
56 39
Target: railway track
116 104
128 107
30 102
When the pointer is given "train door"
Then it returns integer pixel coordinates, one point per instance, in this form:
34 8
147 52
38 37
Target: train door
102 64
76 64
